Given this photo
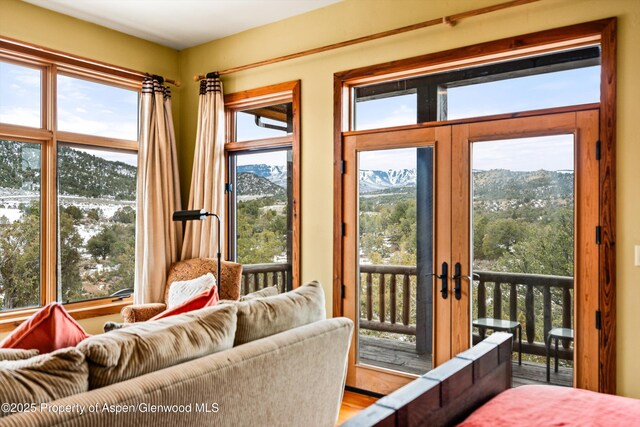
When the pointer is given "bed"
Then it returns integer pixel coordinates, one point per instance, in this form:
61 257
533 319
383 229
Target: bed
474 390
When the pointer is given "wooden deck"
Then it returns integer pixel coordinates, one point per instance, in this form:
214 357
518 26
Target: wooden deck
402 356
392 354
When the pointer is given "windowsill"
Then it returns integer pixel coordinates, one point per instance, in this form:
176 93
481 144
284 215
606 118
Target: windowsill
78 310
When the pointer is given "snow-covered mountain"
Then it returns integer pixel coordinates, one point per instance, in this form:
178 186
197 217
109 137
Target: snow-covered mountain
375 180
370 180
275 174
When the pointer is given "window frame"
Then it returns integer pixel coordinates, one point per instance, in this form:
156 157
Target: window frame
261 97
52 63
601 31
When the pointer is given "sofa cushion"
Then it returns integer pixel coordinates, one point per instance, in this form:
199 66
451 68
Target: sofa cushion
262 293
146 347
43 378
263 317
17 354
183 290
48 329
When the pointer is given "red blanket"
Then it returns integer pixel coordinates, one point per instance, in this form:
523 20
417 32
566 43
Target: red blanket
545 405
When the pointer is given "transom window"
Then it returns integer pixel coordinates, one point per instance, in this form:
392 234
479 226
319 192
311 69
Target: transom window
570 77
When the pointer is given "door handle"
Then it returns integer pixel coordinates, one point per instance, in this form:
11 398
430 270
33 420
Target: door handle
444 277
457 280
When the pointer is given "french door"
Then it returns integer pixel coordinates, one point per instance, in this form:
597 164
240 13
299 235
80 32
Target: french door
445 225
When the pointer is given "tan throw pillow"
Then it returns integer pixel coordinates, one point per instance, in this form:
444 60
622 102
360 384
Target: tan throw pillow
263 317
17 354
262 293
150 346
43 378
181 291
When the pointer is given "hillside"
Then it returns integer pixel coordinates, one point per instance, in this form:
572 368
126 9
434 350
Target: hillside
250 184
275 174
375 180
498 184
79 173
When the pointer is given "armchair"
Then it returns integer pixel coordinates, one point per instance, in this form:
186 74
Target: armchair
228 286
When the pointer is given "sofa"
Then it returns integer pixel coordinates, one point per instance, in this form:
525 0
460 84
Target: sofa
271 374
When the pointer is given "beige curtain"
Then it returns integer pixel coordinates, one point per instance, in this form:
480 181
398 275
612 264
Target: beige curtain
207 177
158 238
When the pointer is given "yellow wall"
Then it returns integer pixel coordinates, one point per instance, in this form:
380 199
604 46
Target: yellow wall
32 24
354 18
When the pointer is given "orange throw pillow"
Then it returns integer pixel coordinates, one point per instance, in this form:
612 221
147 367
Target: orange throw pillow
50 328
205 299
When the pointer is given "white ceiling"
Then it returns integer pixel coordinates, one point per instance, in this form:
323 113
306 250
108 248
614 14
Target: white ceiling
181 23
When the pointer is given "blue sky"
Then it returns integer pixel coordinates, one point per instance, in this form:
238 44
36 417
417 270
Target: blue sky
579 86
98 109
83 106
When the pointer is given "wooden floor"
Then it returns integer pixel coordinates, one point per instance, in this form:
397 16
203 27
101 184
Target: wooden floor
402 356
352 403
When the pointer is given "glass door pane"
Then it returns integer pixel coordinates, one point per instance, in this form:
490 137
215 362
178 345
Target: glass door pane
261 217
523 213
395 257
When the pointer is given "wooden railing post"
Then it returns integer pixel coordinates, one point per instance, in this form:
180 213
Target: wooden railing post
529 315
482 299
497 301
566 313
369 297
513 302
546 310
392 299
381 290
406 300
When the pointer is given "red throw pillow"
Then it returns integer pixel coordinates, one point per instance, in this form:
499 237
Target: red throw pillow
50 328
205 299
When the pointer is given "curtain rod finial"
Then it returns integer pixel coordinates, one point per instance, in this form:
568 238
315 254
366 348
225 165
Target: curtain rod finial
198 77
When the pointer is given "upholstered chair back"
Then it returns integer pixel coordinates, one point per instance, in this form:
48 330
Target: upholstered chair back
228 285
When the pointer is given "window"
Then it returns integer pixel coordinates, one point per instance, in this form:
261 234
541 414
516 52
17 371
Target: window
20 89
263 173
97 213
19 224
67 186
570 77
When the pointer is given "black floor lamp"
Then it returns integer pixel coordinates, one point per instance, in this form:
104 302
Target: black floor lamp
197 215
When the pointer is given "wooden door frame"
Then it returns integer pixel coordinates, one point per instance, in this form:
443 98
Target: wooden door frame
603 32
265 96
370 376
583 124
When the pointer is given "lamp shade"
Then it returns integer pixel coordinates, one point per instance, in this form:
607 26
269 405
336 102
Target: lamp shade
192 215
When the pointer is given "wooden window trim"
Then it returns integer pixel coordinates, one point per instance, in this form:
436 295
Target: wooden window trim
269 95
601 31
53 63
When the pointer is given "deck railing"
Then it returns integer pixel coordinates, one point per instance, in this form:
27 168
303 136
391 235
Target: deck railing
260 276
532 294
396 279
389 290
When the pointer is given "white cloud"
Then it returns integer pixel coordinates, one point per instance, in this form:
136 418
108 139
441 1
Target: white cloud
20 116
